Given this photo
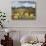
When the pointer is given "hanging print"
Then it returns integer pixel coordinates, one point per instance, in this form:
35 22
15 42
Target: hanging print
23 10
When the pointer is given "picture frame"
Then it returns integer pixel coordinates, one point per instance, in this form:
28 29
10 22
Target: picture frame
23 10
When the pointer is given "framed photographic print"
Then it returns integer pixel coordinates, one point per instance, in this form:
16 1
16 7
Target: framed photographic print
23 10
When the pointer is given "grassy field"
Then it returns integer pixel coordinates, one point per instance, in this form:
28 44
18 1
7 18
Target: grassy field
23 13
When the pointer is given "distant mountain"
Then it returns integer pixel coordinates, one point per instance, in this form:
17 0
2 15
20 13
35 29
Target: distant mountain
23 7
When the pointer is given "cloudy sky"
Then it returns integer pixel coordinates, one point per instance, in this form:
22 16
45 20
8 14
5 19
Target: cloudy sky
23 0
25 4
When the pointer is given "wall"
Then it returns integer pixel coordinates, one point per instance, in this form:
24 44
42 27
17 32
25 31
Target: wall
25 26
5 5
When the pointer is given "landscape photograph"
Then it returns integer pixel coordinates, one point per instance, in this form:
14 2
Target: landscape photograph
24 10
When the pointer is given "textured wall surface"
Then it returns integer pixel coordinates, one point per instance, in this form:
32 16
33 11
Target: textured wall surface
25 26
5 5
